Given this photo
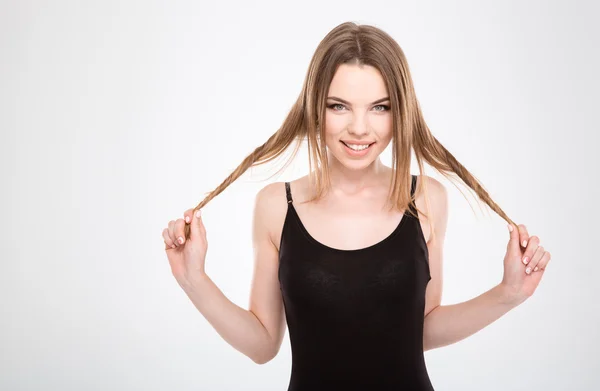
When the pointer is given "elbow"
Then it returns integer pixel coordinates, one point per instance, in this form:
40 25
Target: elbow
261 362
264 358
266 351
427 344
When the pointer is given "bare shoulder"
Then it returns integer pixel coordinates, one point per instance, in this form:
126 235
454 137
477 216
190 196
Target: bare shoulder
270 208
436 189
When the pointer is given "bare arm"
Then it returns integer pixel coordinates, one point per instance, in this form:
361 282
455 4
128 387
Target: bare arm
239 327
257 332
448 324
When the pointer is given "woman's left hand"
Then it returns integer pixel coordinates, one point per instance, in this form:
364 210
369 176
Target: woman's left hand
524 265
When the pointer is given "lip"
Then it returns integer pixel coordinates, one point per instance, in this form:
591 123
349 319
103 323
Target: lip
352 152
357 142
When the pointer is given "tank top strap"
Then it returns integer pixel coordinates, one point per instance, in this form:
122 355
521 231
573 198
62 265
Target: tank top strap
288 192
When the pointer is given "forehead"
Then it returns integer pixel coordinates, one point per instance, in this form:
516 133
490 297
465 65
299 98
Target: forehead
360 84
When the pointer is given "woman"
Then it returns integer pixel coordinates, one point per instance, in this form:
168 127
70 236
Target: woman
350 256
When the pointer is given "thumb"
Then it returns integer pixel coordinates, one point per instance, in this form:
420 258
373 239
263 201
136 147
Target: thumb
513 243
197 226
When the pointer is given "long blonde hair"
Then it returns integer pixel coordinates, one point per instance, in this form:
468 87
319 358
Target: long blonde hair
350 43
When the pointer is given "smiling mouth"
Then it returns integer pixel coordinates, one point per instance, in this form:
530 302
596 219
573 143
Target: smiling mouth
357 148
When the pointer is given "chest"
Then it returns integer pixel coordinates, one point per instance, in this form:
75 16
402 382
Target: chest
350 225
347 226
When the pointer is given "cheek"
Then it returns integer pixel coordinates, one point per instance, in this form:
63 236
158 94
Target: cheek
382 122
335 124
383 126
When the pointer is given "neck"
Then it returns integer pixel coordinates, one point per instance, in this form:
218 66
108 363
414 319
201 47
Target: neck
352 181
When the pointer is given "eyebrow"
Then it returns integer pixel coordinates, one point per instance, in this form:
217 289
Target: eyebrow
348 103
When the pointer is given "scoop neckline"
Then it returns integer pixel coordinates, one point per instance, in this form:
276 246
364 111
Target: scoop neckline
346 251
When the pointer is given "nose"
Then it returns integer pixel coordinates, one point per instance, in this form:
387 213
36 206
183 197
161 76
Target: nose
359 125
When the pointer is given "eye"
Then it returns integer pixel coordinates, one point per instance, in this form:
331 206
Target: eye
332 106
384 107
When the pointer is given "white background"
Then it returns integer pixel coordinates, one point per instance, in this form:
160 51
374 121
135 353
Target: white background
116 116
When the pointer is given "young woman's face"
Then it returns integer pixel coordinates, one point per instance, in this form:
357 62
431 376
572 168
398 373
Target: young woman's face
357 116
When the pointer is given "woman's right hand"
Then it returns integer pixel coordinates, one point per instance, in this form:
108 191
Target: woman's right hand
186 258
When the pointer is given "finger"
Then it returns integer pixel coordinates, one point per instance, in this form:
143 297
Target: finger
168 242
523 235
172 232
188 215
532 245
179 231
535 259
543 262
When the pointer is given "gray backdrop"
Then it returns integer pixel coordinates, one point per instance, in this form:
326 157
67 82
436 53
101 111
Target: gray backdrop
116 116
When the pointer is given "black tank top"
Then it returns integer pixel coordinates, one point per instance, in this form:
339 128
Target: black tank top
355 317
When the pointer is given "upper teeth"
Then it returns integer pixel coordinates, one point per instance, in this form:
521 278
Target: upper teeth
358 147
